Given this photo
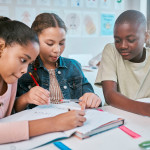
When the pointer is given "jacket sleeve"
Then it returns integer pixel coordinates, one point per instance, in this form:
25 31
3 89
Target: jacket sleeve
86 86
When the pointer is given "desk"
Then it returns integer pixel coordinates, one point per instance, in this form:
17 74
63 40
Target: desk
114 139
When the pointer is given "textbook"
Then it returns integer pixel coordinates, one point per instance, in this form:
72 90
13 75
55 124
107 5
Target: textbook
96 122
102 128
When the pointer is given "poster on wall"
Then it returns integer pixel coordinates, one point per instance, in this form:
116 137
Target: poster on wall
25 15
73 23
43 2
77 3
60 3
105 4
90 24
91 3
4 11
5 1
119 4
107 24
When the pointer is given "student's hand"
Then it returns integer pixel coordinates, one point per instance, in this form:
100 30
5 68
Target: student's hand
69 120
90 100
38 96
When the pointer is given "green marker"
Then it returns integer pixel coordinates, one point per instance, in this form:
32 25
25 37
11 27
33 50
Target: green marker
145 145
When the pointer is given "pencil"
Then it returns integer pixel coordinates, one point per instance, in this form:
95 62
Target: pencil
69 100
33 79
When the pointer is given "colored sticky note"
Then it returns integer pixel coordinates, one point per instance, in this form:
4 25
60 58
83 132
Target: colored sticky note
130 132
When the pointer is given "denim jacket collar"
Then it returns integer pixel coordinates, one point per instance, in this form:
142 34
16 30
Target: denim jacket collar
61 63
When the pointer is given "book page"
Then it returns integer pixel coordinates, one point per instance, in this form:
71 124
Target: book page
42 111
94 119
66 106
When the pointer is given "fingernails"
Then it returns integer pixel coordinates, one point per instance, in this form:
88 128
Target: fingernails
83 106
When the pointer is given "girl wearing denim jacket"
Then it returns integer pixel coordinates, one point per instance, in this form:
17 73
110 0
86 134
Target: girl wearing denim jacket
58 77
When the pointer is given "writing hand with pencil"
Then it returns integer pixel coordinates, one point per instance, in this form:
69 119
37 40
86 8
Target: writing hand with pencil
89 100
69 120
38 96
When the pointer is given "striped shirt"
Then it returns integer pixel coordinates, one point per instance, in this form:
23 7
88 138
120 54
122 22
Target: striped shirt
55 91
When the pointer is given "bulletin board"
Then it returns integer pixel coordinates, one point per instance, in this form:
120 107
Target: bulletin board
89 22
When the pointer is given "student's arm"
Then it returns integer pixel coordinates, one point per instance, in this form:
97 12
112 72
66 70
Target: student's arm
36 95
60 122
22 130
114 98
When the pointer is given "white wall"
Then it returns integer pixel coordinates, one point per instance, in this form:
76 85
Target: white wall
95 45
75 45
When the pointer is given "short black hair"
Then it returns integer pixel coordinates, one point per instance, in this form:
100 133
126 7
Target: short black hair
2 18
17 32
133 17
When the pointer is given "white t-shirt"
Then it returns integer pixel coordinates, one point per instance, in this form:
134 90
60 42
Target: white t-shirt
133 79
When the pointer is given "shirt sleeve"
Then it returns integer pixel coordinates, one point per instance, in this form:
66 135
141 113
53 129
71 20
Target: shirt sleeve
14 131
107 67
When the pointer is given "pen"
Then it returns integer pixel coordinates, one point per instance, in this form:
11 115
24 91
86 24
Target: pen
69 100
33 79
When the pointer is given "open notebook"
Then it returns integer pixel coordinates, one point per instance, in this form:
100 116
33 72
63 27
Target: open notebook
97 121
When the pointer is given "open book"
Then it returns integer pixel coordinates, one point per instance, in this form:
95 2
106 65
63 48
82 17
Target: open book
94 117
97 121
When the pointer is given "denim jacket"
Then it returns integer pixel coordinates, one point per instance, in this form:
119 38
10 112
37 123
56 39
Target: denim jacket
71 79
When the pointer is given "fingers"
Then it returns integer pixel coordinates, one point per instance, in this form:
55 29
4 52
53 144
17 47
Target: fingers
83 105
39 96
43 91
98 103
82 119
81 113
89 100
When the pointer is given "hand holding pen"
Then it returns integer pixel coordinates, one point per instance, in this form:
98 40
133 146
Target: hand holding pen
37 95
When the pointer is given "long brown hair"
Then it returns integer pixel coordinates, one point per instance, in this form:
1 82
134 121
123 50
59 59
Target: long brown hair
41 22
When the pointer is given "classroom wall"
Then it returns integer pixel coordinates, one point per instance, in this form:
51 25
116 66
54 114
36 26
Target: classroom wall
88 31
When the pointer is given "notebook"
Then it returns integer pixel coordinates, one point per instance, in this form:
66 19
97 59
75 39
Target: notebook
97 122
82 132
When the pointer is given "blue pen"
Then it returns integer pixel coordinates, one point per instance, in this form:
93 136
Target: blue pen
61 146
